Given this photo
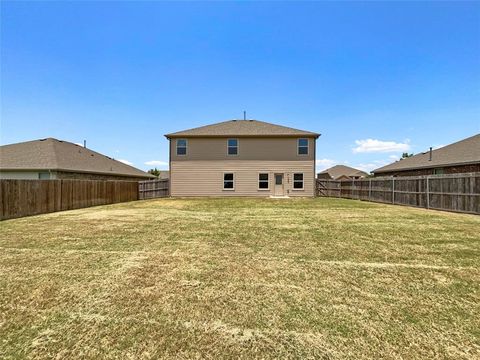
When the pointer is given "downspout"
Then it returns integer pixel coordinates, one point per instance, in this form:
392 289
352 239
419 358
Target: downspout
314 168
169 167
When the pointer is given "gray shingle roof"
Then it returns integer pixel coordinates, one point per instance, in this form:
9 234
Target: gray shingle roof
341 170
53 154
241 128
466 151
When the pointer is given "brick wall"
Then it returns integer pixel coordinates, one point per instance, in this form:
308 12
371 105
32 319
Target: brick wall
446 170
87 176
324 176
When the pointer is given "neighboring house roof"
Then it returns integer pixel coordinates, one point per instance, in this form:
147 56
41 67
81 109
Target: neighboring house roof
242 128
53 154
164 174
338 171
463 152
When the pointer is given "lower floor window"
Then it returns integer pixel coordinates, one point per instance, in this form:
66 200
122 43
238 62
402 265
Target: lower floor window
228 181
263 181
298 181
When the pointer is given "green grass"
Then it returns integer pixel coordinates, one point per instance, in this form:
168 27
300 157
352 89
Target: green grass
241 278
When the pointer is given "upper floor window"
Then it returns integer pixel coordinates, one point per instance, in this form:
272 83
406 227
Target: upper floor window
232 145
302 147
181 146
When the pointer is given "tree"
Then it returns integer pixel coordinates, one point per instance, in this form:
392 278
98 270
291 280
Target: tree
406 155
155 172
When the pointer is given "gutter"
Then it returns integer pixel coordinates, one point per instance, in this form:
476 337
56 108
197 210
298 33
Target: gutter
147 176
173 136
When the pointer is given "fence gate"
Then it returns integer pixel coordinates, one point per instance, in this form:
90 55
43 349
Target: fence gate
322 188
328 187
150 189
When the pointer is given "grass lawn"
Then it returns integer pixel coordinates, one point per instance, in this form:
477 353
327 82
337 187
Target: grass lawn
241 278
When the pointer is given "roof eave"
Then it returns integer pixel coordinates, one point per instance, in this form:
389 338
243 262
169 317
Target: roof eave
314 135
80 172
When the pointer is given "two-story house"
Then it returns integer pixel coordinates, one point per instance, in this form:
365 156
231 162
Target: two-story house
242 158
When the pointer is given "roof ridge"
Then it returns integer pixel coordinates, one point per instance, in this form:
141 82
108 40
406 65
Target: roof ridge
445 152
342 165
60 155
96 153
236 127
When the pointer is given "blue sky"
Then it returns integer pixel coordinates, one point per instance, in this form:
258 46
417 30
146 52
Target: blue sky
373 78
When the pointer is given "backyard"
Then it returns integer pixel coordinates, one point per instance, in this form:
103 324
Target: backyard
241 278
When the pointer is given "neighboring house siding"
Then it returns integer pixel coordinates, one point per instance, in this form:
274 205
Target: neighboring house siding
205 178
273 149
431 171
26 175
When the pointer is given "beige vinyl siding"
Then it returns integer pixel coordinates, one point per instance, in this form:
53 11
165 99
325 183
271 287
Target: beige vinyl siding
251 148
205 178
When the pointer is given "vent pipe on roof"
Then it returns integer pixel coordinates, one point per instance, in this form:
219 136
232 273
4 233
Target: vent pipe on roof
244 115
84 143
430 154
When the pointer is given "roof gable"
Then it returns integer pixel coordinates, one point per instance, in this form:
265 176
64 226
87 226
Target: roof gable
338 171
465 151
239 128
53 154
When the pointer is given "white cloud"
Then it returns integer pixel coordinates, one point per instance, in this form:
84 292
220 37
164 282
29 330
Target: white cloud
372 145
375 164
156 163
368 167
323 164
125 162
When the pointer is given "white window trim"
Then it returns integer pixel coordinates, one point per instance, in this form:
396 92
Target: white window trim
298 147
223 180
293 182
268 180
176 147
238 147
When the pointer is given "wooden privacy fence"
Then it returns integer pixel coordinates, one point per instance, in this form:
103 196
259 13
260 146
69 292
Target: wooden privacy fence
150 189
30 197
455 192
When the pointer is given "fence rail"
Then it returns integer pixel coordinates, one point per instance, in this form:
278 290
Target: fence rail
31 197
455 192
150 189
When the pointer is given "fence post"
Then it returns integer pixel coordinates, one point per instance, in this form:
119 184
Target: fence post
427 190
369 189
393 190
